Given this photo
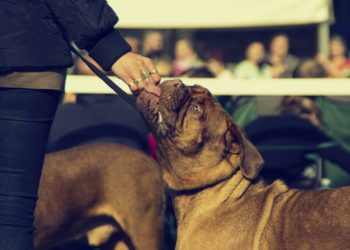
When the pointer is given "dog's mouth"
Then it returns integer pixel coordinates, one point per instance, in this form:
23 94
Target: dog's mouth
148 104
160 111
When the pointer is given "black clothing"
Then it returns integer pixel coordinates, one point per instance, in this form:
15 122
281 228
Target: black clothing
32 33
25 120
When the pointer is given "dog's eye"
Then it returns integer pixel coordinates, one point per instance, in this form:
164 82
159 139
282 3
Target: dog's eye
196 109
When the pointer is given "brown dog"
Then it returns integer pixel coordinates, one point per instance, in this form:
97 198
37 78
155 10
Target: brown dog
213 169
107 185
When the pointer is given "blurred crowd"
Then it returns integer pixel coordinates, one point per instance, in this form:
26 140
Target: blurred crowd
275 61
326 114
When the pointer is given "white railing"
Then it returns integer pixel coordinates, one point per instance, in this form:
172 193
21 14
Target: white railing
275 87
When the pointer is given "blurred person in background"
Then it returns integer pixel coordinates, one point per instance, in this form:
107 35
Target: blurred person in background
134 43
153 44
35 55
201 72
253 67
217 64
309 68
153 47
338 64
186 57
283 64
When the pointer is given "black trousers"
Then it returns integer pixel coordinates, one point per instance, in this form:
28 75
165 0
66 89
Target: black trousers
25 120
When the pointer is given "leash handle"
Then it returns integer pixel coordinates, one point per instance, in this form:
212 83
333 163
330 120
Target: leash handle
127 98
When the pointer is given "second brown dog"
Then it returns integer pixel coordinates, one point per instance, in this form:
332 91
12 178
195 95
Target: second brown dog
108 185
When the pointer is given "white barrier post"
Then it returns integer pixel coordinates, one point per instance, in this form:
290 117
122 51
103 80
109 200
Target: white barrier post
323 38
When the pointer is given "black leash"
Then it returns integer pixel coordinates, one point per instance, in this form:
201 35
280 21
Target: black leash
131 100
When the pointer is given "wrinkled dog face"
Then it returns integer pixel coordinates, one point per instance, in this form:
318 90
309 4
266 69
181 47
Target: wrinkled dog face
180 115
198 142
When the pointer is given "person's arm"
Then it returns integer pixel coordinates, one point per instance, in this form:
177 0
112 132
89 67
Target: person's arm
329 67
90 24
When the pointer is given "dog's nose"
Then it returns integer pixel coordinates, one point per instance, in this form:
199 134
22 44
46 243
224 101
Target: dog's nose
177 84
170 84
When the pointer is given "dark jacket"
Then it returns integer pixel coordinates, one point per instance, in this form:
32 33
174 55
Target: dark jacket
36 33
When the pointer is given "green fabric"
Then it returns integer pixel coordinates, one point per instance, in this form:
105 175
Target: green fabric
336 118
337 176
245 113
242 113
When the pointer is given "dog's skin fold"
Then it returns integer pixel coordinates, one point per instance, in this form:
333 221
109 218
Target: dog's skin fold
220 202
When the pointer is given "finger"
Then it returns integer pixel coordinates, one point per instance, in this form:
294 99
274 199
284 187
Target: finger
129 81
152 77
134 72
152 70
141 81
150 86
132 86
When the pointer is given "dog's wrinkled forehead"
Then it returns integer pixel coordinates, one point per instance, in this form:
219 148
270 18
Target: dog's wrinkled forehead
201 96
196 89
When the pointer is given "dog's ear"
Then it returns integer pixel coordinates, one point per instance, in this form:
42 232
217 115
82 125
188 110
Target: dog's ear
251 161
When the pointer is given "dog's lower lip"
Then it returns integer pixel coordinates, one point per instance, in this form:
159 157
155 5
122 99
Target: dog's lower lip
153 102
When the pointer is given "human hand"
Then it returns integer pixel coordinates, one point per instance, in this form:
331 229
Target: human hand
278 70
322 59
138 72
276 60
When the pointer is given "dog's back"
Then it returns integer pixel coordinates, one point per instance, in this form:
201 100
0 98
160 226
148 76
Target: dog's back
307 219
93 185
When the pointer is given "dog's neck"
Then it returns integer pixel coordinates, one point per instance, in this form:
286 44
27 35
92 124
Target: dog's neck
181 173
210 197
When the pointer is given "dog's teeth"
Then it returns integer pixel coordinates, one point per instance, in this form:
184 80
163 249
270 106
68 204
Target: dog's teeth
160 118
